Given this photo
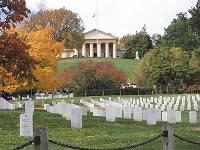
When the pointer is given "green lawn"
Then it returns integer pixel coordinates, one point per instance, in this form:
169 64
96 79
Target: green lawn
96 132
126 65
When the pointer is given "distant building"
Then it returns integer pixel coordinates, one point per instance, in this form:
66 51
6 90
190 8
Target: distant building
97 44
121 52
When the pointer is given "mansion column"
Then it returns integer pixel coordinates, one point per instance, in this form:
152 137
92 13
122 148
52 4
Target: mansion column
91 50
114 50
84 50
107 49
99 50
76 52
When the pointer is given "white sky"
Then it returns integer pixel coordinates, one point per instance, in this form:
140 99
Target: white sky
121 17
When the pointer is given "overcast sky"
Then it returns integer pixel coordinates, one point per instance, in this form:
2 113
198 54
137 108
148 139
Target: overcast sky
121 17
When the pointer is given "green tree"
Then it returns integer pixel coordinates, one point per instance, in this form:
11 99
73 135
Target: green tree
179 34
167 69
195 65
68 25
195 19
123 40
140 42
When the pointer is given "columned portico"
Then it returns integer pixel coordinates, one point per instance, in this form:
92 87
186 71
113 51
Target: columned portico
97 44
104 46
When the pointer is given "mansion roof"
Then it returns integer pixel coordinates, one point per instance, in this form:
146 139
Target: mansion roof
96 33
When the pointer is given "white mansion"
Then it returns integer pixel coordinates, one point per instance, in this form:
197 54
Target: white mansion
97 44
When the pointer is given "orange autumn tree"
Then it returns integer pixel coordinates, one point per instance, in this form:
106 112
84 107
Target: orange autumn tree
45 51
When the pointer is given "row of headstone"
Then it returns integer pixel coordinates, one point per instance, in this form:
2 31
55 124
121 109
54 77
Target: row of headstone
162 103
70 112
50 96
151 115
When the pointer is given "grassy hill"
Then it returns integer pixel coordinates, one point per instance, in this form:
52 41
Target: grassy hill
126 65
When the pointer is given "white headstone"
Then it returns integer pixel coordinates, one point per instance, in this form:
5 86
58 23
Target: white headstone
144 114
76 118
127 112
171 116
99 112
29 107
3 103
118 112
151 116
110 113
192 117
158 115
178 116
182 107
164 116
137 116
26 124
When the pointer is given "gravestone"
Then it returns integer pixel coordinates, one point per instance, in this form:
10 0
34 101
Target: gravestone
144 114
84 111
198 105
61 107
76 118
164 116
158 115
178 116
99 112
48 108
137 116
151 116
3 103
189 106
68 110
45 106
171 116
182 107
11 106
118 112
29 107
192 117
18 105
110 113
26 124
127 112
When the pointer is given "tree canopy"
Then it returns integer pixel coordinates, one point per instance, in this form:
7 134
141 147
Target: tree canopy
15 61
140 42
179 34
167 69
195 19
67 25
12 11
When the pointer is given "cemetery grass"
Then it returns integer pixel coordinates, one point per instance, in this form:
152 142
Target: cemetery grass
96 132
126 65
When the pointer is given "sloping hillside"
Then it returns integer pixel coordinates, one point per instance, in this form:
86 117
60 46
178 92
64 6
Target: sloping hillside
126 65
